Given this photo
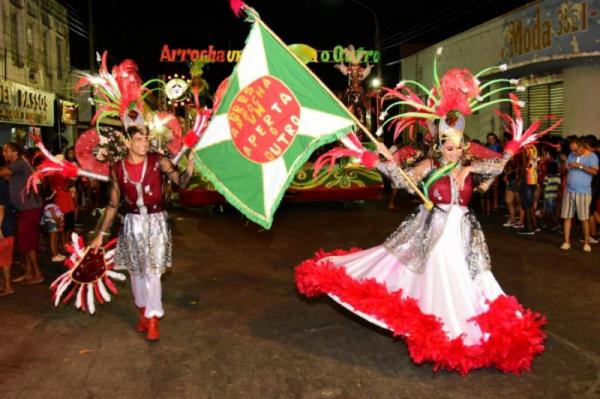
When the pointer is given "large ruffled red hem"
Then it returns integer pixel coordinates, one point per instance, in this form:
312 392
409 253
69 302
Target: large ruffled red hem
512 343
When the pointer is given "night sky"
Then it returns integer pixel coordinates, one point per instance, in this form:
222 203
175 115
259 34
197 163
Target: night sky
133 29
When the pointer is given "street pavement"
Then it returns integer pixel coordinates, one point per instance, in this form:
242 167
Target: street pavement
235 326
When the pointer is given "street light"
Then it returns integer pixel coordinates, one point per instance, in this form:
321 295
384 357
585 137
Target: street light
376 86
376 38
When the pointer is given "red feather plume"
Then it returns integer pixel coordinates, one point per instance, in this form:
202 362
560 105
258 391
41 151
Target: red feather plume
130 85
458 87
237 6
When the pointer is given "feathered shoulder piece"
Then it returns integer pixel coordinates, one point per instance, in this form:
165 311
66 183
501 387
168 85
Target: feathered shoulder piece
514 125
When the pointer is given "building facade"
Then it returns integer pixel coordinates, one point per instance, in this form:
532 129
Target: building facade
551 46
35 80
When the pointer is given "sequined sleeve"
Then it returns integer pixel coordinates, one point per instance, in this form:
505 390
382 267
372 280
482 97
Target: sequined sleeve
180 179
114 193
416 173
489 168
114 199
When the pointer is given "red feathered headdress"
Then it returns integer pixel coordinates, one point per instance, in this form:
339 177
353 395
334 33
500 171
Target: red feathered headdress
116 94
458 91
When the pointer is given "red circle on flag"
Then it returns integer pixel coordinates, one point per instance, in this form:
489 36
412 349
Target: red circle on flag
263 119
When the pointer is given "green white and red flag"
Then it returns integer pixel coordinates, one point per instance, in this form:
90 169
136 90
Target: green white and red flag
272 116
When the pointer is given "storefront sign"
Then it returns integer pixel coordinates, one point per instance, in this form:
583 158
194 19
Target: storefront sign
24 105
336 55
551 28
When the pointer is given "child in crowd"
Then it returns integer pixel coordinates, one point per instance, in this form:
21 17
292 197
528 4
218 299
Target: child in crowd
53 220
552 184
511 195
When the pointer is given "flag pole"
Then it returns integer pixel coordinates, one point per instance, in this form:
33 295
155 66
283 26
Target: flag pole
426 201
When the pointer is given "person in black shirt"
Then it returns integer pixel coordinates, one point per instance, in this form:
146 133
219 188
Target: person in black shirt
7 232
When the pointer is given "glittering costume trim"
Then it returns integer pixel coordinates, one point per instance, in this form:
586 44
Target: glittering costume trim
144 245
412 242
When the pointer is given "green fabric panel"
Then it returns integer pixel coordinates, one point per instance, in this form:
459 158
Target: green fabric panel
229 95
299 145
233 175
307 90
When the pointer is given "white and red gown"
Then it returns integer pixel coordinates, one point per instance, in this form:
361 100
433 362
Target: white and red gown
431 283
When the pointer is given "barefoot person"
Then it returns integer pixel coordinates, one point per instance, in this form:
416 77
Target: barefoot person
29 211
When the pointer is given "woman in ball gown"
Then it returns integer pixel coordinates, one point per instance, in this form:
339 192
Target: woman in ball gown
430 282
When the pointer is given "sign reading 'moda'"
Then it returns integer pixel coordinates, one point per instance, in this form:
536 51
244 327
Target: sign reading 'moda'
212 54
552 28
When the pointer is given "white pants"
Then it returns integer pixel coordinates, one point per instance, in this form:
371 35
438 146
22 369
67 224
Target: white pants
147 292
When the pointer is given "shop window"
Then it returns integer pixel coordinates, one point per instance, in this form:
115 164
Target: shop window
46 53
4 21
541 100
32 7
45 12
15 48
33 74
59 58
557 107
30 40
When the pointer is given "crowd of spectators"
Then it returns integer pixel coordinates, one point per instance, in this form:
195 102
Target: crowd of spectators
556 179
36 224
548 182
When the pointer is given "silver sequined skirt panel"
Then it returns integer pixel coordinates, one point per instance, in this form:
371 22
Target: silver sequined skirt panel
412 242
144 245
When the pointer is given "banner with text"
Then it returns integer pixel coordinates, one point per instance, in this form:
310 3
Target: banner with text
212 54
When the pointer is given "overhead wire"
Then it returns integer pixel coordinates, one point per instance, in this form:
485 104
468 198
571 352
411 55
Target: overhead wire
431 19
433 25
479 31
74 11
133 35
72 21
49 17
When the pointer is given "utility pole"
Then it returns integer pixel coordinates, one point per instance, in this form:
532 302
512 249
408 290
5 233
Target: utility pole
91 45
91 54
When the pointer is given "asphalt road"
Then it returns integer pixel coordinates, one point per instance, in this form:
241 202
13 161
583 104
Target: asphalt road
236 328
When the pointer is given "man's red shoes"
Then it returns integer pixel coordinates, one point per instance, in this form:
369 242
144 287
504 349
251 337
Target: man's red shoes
142 324
153 333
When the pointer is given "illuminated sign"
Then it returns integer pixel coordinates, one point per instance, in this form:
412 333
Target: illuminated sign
69 113
176 89
212 54
24 105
